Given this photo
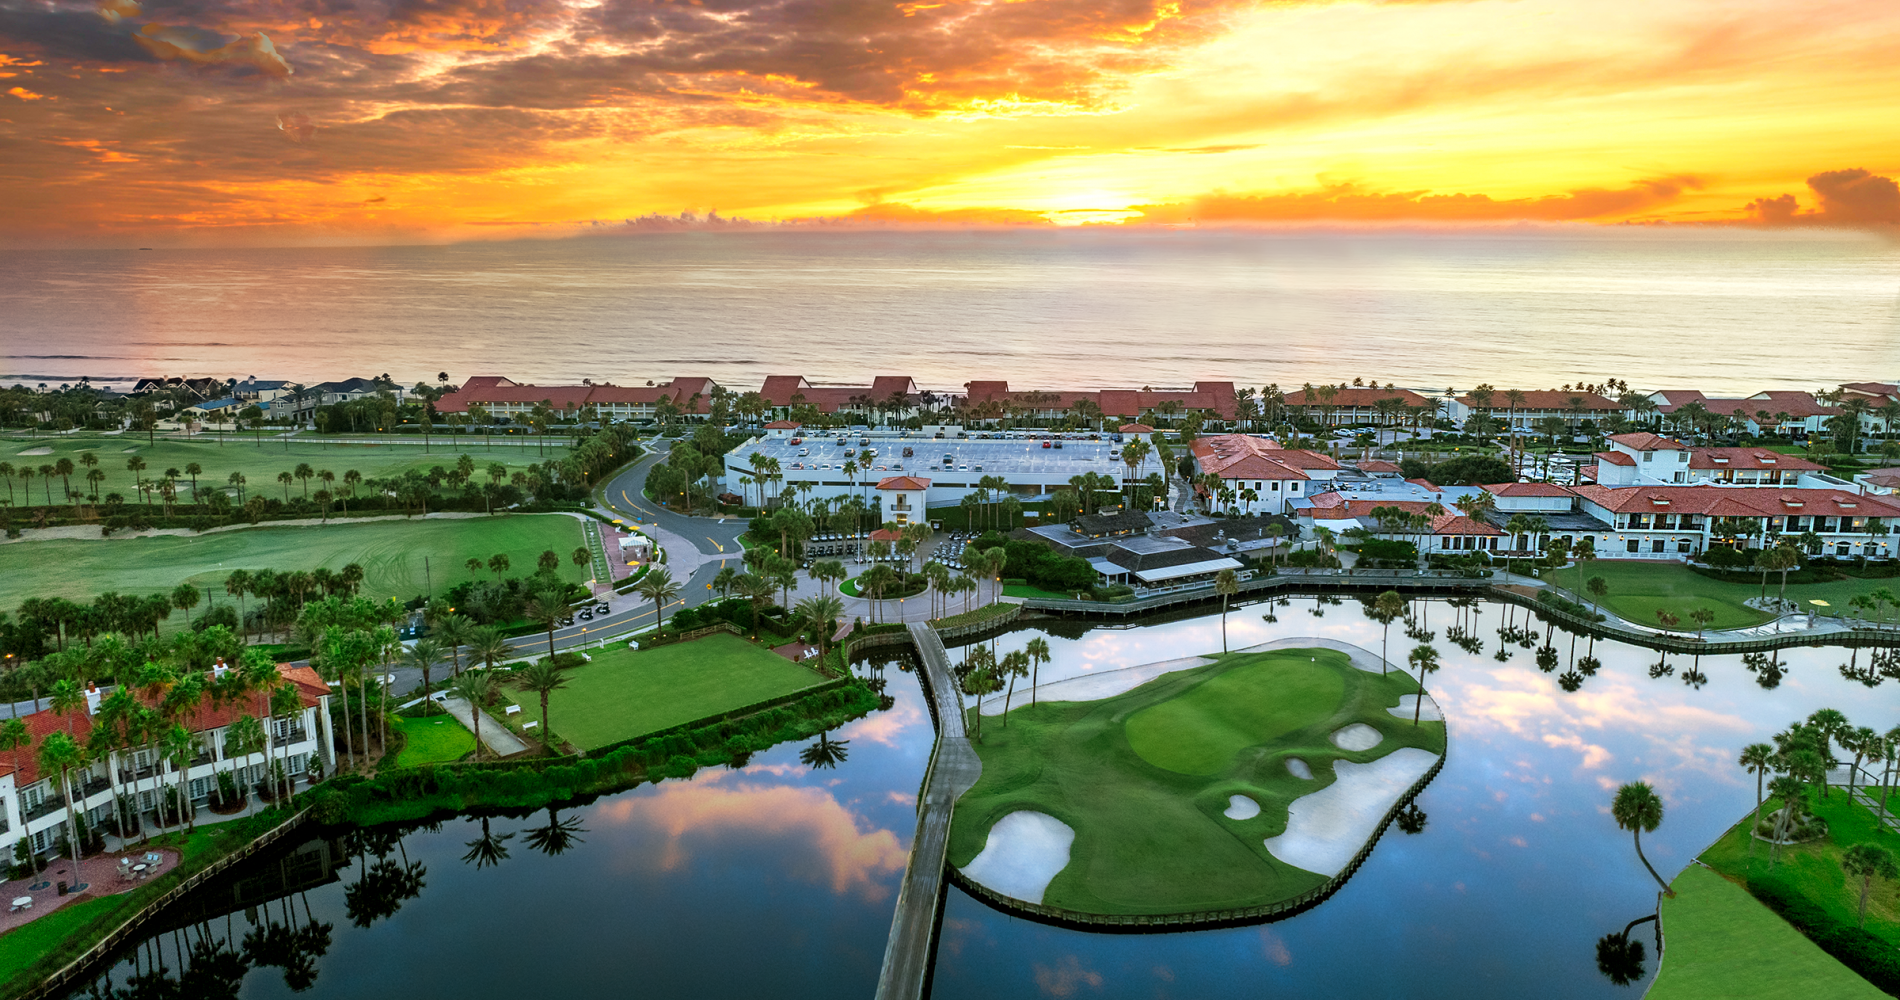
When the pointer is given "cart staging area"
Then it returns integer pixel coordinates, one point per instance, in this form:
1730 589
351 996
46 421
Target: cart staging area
1243 781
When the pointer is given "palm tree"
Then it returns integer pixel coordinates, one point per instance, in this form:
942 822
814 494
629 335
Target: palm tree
1014 664
1638 809
60 752
543 678
980 679
546 608
1424 659
244 737
488 647
658 586
820 614
453 632
1038 651
1757 759
1828 724
424 654
1868 862
476 688
1386 609
1226 585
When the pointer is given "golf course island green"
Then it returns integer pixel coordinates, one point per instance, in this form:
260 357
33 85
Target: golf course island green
1238 781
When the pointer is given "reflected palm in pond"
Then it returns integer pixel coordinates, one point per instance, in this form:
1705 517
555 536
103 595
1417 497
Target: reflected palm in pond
827 752
1412 820
487 850
1620 957
558 836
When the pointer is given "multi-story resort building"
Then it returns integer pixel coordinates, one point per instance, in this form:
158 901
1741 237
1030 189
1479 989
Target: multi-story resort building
33 806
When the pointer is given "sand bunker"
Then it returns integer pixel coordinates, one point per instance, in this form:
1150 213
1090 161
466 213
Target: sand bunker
1299 769
1023 852
37 451
1357 736
1325 829
1241 807
1428 713
1096 686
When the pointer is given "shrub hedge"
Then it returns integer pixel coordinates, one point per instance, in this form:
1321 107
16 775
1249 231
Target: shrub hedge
1870 957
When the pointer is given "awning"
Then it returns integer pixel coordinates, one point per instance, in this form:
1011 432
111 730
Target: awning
1107 567
1187 569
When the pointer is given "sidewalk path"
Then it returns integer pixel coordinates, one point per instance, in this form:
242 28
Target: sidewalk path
494 735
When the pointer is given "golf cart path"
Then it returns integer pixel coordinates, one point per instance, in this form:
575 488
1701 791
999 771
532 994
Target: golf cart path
494 735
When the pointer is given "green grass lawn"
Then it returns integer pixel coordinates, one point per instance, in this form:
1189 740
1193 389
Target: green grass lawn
1815 868
1639 588
626 693
437 739
1722 943
1144 777
1025 590
260 465
24 945
390 552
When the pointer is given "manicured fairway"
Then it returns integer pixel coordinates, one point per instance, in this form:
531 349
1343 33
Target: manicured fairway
437 739
260 465
1724 944
624 693
390 552
1814 868
1639 588
1144 778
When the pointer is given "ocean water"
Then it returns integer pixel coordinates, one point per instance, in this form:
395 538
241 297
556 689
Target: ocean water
1727 311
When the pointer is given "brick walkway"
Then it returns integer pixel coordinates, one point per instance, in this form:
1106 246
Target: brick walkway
101 871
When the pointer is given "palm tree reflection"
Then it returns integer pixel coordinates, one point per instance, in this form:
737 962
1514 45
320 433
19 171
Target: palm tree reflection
1412 820
487 850
826 752
1620 957
558 836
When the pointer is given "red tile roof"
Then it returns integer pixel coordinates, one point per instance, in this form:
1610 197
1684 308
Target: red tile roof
42 724
1427 484
783 425
1376 465
1458 524
903 483
891 535
1737 501
1333 507
488 390
1243 456
1528 490
1645 441
1616 458
1749 458
1135 429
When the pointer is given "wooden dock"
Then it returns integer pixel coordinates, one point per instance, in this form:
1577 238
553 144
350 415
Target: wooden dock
953 769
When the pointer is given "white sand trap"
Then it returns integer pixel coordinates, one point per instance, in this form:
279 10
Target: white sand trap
1357 736
1096 686
1023 852
1241 807
1325 829
37 451
1428 713
1299 769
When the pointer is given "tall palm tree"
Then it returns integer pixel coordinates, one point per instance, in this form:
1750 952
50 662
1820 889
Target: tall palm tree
543 678
424 654
546 608
475 687
1037 650
1424 659
244 737
1757 759
659 587
60 752
454 631
488 647
820 614
1638 809
1014 664
1226 584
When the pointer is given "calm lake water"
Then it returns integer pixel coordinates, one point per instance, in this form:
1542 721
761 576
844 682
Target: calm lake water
1718 309
779 881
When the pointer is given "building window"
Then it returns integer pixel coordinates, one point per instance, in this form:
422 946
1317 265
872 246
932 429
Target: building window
1684 546
1633 543
1840 549
1656 546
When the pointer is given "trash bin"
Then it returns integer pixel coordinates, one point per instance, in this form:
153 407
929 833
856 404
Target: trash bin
62 888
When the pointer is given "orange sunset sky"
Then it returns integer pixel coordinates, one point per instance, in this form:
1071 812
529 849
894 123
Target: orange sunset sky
270 122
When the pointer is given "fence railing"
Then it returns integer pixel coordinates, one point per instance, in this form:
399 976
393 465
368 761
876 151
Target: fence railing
63 978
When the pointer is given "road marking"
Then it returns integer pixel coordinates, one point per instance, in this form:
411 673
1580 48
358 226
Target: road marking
709 538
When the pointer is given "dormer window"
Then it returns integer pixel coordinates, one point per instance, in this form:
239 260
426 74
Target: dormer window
1721 460
1648 456
1765 459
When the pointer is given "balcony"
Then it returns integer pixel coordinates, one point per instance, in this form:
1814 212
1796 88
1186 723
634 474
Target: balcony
46 807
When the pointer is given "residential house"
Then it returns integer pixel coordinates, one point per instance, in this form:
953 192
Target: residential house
1276 475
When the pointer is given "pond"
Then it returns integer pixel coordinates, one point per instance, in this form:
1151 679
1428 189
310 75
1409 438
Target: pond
779 880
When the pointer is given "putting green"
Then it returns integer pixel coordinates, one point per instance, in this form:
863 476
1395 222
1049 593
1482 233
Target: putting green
1201 731
1145 779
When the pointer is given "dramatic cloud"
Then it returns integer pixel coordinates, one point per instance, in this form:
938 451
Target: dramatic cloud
253 50
1845 197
